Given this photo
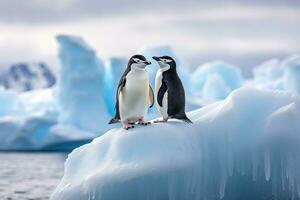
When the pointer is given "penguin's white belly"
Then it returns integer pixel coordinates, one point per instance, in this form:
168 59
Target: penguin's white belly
134 97
163 110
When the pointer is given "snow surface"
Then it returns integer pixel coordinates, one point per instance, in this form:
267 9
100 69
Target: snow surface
245 147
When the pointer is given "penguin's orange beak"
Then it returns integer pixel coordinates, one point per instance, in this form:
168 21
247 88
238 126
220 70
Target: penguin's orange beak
156 58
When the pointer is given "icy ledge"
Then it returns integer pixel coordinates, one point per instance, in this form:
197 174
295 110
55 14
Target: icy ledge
245 147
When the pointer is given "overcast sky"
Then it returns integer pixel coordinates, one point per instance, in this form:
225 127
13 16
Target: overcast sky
239 31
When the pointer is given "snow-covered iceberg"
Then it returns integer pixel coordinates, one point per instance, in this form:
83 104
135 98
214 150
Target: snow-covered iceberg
245 147
215 80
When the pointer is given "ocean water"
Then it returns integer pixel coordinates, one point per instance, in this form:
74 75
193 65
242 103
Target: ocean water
30 176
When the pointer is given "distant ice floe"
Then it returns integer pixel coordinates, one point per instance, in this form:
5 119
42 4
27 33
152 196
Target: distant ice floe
244 147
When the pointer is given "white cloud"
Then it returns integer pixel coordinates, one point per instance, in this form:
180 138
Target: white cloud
125 34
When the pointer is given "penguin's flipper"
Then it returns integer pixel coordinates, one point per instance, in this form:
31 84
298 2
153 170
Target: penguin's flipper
151 96
117 118
183 117
161 92
122 83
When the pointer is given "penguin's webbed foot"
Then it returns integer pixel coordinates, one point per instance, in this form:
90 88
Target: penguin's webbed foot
127 125
142 122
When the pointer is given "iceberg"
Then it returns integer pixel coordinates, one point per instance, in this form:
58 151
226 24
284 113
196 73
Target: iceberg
22 105
215 80
39 133
80 85
10 103
268 75
244 147
29 121
278 74
269 70
291 76
64 116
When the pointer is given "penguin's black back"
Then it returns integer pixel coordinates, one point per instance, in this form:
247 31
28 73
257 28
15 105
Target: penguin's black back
176 94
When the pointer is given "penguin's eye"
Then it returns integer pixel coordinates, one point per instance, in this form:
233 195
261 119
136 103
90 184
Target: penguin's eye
136 60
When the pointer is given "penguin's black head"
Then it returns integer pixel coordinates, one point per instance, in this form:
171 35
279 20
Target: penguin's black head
165 62
138 61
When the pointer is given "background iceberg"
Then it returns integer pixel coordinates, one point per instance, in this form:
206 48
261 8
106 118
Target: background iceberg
269 70
30 122
10 103
215 80
114 68
292 74
269 75
60 117
80 87
278 74
232 144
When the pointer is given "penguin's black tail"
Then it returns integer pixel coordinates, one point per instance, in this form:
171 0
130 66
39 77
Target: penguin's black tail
113 121
183 117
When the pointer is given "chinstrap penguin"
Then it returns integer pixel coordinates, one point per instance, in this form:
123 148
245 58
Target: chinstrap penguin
134 94
169 91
